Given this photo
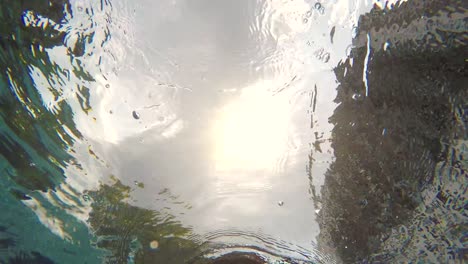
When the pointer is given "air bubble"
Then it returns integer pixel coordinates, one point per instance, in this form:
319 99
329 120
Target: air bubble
280 203
154 244
326 57
322 55
384 131
136 115
139 184
305 20
318 6
386 46
363 203
107 85
308 14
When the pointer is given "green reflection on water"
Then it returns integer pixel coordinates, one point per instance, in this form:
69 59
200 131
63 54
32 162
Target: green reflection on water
33 139
36 145
135 234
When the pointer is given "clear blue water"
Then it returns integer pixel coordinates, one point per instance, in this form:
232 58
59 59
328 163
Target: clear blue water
233 131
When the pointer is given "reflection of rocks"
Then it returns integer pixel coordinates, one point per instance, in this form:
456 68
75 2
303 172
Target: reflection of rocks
37 132
397 189
33 139
239 257
29 258
132 233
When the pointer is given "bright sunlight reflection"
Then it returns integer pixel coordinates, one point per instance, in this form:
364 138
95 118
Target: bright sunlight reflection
251 132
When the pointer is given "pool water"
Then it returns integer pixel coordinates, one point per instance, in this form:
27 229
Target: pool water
264 131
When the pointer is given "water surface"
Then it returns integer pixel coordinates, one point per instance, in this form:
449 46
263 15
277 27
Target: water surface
184 131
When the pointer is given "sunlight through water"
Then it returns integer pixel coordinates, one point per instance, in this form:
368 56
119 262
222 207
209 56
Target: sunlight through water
251 132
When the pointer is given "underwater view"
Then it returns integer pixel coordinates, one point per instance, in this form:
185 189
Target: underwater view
233 131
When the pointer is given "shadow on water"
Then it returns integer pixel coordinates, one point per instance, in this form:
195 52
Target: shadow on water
396 190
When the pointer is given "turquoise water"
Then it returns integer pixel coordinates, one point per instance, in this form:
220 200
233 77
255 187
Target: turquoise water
233 132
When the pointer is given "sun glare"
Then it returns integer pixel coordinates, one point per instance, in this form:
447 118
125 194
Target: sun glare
250 133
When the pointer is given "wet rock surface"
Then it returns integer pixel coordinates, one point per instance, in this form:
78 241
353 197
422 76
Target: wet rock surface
400 145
